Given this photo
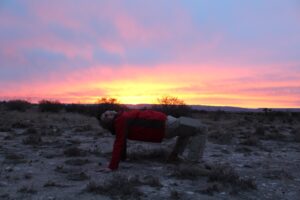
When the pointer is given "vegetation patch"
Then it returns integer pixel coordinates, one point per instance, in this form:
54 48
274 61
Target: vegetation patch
117 185
74 152
159 154
220 137
27 189
33 140
50 106
251 141
15 158
190 172
77 162
297 135
226 175
81 176
278 174
17 105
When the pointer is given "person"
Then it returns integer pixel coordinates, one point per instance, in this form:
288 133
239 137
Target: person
153 126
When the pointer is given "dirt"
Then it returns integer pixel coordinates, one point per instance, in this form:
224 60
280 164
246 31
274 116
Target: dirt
56 156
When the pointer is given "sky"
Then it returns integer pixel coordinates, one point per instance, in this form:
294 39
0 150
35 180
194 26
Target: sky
205 52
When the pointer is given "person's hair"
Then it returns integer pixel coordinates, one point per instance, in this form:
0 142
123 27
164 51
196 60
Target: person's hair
107 125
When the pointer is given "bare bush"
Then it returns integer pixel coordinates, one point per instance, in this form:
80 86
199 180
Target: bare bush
228 177
297 134
159 154
74 152
260 131
18 105
28 189
50 106
17 157
33 140
251 141
190 172
81 176
77 162
172 106
220 137
118 185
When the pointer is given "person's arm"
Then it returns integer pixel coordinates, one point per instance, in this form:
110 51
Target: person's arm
119 143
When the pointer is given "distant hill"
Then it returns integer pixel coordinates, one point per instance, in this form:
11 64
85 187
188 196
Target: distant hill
220 108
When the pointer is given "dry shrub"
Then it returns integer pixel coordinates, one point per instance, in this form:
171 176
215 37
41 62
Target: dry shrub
227 176
21 124
5 128
51 131
242 149
14 158
18 105
212 188
83 128
50 183
151 181
81 176
190 172
28 189
117 186
297 134
259 130
175 195
159 154
33 140
74 152
251 141
220 137
50 106
30 130
275 135
278 174
77 162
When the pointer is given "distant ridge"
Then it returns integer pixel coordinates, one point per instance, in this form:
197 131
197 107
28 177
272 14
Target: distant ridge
220 108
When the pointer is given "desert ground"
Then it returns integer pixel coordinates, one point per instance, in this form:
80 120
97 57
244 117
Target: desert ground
58 156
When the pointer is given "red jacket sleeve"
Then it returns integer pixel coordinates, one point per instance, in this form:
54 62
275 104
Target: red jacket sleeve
119 143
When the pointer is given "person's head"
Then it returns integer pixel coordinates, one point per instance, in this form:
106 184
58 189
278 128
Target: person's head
108 116
106 120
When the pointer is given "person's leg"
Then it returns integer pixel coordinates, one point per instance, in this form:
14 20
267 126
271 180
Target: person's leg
197 145
183 132
197 133
179 148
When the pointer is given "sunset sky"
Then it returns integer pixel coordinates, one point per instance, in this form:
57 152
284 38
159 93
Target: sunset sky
223 53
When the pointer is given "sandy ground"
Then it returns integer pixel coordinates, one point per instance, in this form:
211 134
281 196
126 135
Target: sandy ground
59 156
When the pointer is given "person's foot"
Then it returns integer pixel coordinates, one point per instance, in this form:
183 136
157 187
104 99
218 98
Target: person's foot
174 159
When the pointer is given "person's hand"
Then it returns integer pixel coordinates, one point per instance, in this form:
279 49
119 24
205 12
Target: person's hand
105 170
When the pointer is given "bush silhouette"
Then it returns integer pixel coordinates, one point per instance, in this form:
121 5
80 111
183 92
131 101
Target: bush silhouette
50 106
172 106
18 105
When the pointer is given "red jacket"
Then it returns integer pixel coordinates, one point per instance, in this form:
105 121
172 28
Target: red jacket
147 125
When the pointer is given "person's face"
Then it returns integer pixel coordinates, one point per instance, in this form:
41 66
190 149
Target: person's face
108 116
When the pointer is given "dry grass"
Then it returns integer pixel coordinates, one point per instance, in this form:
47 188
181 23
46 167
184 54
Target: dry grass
28 189
220 137
252 140
278 174
74 152
15 158
77 162
117 186
190 172
81 176
227 176
33 140
159 154
297 135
